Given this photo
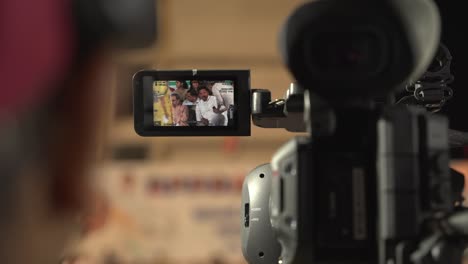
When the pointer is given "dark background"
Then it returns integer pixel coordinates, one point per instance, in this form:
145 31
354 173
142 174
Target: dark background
454 36
454 22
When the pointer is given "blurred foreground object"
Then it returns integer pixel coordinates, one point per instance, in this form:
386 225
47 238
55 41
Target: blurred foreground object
51 97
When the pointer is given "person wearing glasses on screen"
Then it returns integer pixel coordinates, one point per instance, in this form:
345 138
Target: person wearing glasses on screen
179 111
207 110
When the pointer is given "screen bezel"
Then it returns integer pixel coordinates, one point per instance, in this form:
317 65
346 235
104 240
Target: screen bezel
143 106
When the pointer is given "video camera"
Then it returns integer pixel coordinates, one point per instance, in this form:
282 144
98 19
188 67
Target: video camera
372 182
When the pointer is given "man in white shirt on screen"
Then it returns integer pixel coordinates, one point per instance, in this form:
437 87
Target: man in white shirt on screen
224 93
208 113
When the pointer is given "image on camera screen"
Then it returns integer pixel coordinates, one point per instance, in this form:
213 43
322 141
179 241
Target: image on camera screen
193 103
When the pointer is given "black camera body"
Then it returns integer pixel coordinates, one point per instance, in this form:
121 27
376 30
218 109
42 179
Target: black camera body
373 195
372 181
414 178
378 199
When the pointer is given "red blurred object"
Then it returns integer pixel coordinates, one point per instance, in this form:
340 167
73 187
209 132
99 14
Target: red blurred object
196 184
192 184
219 185
177 183
231 144
154 186
36 46
128 182
97 216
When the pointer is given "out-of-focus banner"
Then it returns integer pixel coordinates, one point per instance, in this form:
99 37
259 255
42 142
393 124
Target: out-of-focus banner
155 214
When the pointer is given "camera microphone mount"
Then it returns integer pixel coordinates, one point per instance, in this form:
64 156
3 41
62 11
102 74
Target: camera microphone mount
285 113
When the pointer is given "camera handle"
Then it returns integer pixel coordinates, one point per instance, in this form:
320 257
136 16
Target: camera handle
287 113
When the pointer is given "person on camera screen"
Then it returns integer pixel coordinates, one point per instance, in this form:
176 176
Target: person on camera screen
179 112
191 101
194 84
224 93
181 88
207 110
